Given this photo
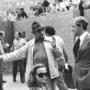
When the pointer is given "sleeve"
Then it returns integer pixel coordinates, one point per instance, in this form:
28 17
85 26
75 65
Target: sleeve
24 42
17 54
60 43
65 56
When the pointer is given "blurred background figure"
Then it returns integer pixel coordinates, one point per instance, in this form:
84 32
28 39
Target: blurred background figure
81 8
18 43
23 34
18 13
45 5
3 46
23 14
12 16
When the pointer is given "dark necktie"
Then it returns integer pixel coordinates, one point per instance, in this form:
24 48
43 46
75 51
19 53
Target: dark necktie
76 47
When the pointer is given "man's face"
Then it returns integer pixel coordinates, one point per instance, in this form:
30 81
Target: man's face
76 29
38 34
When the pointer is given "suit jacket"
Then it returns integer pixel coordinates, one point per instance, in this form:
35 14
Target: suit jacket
83 54
27 51
82 65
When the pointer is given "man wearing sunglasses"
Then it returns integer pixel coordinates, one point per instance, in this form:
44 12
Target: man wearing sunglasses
37 51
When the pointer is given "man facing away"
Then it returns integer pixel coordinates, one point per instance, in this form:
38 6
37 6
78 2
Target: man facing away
82 53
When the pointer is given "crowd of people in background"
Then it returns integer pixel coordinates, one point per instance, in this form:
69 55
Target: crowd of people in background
18 15
41 8
45 7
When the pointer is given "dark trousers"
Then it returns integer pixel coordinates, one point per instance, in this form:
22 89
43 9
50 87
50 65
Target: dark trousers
22 68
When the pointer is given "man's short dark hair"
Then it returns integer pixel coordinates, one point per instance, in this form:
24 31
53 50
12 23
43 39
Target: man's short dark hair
50 30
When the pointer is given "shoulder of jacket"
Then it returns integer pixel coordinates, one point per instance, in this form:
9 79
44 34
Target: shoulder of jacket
31 42
58 38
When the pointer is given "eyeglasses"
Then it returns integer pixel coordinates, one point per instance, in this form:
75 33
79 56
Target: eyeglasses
41 75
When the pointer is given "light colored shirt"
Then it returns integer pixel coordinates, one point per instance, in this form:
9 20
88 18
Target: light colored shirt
19 43
59 41
12 17
82 37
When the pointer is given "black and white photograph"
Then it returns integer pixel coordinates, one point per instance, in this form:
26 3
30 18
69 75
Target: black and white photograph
44 44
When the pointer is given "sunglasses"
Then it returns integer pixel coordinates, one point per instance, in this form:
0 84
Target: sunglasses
41 75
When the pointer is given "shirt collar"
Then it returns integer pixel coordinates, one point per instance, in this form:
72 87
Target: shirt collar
48 38
83 36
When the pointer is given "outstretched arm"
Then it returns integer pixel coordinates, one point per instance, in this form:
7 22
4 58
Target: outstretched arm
16 55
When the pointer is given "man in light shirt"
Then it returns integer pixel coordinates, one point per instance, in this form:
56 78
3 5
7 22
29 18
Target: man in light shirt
18 43
81 51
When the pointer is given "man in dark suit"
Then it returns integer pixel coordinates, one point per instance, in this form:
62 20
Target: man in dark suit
81 52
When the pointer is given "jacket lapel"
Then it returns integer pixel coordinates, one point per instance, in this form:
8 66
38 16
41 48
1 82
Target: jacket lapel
83 46
29 59
52 64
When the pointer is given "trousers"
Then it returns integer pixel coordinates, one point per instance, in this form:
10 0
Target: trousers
22 67
59 82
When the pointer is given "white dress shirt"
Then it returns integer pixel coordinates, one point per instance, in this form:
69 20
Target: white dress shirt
82 37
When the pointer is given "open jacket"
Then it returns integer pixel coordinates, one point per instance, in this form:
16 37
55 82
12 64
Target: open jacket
82 65
83 54
27 51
